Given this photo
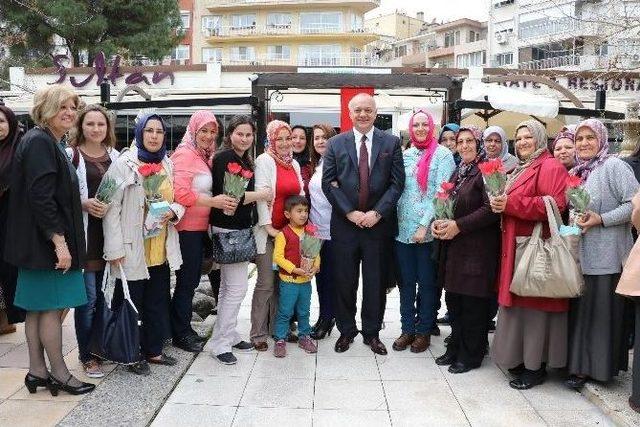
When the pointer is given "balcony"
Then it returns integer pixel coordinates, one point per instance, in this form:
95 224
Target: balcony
327 61
567 27
360 5
564 61
313 32
440 51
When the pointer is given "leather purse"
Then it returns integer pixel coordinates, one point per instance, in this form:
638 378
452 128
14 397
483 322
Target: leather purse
547 268
234 246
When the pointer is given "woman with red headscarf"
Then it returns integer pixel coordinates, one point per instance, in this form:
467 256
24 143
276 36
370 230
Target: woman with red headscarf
427 165
192 184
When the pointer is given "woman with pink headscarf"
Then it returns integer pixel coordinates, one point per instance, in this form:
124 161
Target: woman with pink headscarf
277 170
597 345
192 187
427 165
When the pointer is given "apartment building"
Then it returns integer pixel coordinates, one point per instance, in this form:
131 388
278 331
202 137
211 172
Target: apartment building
286 32
183 53
397 25
502 34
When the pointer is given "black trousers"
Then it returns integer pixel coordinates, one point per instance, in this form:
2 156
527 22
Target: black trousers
469 328
151 298
347 257
187 280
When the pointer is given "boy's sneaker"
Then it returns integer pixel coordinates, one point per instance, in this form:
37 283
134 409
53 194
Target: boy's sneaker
244 347
280 349
226 358
92 369
307 345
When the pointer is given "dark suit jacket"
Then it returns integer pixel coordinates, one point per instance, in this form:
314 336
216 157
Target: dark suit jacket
469 262
341 181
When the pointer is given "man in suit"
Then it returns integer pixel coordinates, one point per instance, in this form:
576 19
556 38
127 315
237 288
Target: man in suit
363 178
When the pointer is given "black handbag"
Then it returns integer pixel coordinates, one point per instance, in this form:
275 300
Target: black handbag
116 334
234 246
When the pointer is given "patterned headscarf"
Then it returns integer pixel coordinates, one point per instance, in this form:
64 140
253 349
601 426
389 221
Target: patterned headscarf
197 121
273 129
429 146
584 167
563 134
464 169
539 134
503 138
144 155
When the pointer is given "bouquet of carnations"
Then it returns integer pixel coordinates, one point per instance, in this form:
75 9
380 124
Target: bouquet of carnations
107 188
236 181
494 177
443 202
310 245
578 197
156 205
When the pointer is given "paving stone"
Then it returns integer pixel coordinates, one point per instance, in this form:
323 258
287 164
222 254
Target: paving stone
272 417
182 415
352 418
349 394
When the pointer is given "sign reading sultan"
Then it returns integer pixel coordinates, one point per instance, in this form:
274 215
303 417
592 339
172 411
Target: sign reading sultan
100 70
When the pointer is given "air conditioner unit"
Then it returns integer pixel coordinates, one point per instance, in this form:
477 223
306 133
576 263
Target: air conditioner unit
501 38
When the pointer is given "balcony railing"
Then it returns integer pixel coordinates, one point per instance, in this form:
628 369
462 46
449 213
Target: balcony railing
217 3
324 61
550 27
279 29
555 62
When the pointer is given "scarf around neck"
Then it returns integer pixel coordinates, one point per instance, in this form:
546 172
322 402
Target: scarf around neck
198 120
273 128
584 167
428 147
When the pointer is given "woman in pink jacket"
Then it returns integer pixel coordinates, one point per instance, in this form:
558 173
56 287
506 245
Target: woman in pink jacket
192 184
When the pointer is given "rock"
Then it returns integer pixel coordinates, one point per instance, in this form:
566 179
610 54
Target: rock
203 304
195 317
205 288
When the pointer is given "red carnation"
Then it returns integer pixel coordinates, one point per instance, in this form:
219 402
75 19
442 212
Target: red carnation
246 174
234 168
573 181
146 169
311 229
491 167
446 187
442 195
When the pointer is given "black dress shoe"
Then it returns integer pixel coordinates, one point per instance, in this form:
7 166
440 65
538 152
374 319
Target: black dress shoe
343 343
446 359
56 385
199 338
32 382
323 328
518 370
447 339
575 382
459 368
529 379
188 343
376 345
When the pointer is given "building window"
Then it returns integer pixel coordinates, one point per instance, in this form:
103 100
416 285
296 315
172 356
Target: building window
279 20
277 53
451 38
504 59
211 23
211 54
243 53
185 17
181 52
400 51
474 59
239 22
314 55
321 22
357 23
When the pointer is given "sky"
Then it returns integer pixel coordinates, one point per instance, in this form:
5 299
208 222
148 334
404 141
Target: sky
442 10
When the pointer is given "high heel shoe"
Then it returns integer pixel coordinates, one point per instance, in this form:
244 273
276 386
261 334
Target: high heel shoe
324 329
57 385
32 382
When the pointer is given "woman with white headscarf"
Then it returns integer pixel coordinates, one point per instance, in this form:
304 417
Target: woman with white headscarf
532 331
496 144
598 348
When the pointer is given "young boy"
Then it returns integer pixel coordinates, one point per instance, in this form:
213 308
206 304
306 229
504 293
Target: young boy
295 285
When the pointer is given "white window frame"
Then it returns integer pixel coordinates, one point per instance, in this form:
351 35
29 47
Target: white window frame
320 55
279 53
243 53
211 55
187 14
181 52
283 20
318 24
243 21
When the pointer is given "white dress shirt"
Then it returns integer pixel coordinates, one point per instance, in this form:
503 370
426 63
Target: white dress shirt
320 213
368 143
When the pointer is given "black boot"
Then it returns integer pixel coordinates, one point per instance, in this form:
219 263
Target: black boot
323 329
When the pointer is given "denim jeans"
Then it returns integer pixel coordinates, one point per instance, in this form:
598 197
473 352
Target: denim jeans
85 314
417 267
293 297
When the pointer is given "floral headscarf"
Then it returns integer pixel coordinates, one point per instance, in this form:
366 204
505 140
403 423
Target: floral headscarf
563 134
539 134
464 169
197 121
584 167
429 146
273 128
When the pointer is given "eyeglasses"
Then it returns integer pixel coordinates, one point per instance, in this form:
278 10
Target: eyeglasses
151 131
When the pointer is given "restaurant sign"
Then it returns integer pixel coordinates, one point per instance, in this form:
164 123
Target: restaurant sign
113 74
575 83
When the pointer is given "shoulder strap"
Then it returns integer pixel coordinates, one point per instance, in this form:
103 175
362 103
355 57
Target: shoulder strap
75 160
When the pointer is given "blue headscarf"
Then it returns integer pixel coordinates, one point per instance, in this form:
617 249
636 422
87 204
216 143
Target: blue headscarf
453 128
144 155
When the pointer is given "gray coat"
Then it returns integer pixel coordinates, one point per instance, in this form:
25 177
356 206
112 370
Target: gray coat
604 249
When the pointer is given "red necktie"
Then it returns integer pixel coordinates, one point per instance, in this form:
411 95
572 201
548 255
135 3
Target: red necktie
363 168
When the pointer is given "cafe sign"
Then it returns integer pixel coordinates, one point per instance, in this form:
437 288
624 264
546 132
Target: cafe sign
100 72
584 84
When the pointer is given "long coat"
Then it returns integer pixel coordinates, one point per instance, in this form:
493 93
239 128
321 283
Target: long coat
525 207
469 262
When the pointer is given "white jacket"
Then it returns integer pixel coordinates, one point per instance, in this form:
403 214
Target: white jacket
81 171
266 174
122 225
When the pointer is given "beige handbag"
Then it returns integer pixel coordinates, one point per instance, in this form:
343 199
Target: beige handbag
547 268
629 283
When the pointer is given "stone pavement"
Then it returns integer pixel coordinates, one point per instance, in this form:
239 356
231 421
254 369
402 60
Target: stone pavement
358 388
